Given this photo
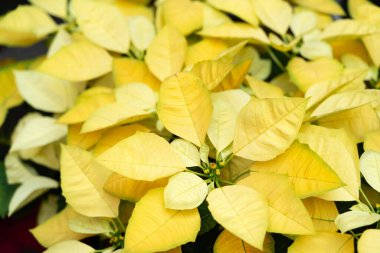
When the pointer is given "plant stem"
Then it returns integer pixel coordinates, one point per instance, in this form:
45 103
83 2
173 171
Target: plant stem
367 200
275 59
240 175
354 235
119 224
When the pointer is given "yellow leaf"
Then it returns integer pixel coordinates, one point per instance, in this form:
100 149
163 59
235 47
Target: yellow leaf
303 22
236 99
262 89
154 228
87 103
275 14
242 211
126 70
236 31
234 78
62 38
48 156
206 49
324 6
3 114
355 47
339 151
322 213
372 141
166 54
244 10
25 26
102 23
82 180
371 42
114 135
313 50
355 219
83 60
184 107
185 15
130 189
323 242
266 127
56 229
71 245
142 32
38 131
137 95
212 72
130 9
84 141
356 121
287 214
188 152
281 45
185 190
114 114
348 29
143 156
304 74
368 242
214 17
56 8
370 168
9 94
307 172
227 243
286 85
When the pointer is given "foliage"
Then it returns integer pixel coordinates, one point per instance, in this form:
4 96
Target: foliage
175 122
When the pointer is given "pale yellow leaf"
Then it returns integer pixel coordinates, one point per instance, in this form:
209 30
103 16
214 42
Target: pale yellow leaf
154 228
323 242
84 141
261 68
83 60
262 89
214 17
25 26
166 54
307 172
56 229
303 22
185 15
324 6
212 72
372 141
132 8
130 189
184 107
236 98
355 219
48 208
142 32
71 245
242 211
127 70
82 180
187 151
313 50
143 156
234 78
348 29
102 23
287 214
206 49
244 10
62 38
369 241
56 8
371 42
266 127
275 14
137 95
17 172
370 168
87 103
38 131
354 47
91 225
48 156
283 45
322 213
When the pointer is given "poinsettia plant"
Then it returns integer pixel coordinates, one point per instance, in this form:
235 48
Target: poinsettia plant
174 120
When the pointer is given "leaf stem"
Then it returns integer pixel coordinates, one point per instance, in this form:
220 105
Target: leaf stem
197 173
275 59
119 224
354 235
367 200
240 175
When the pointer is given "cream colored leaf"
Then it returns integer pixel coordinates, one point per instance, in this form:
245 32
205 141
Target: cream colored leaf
242 211
266 127
29 190
324 6
56 229
71 245
56 8
154 228
130 189
102 23
91 225
16 170
372 141
187 151
143 156
275 14
38 131
83 60
323 242
307 172
262 89
25 26
214 17
48 208
184 107
303 22
355 219
244 10
137 95
348 29
48 156
82 180
142 32
185 190
313 50
323 214
368 242
166 54
287 214
236 31
212 72
260 68
236 98
370 168
61 39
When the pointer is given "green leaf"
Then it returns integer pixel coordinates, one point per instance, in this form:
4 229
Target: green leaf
207 221
6 192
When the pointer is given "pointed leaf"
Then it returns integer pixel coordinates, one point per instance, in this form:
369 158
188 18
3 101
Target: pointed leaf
204 50
348 29
323 214
355 219
71 245
372 141
187 151
91 225
212 72
142 32
137 95
56 8
370 168
303 22
324 6
368 242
